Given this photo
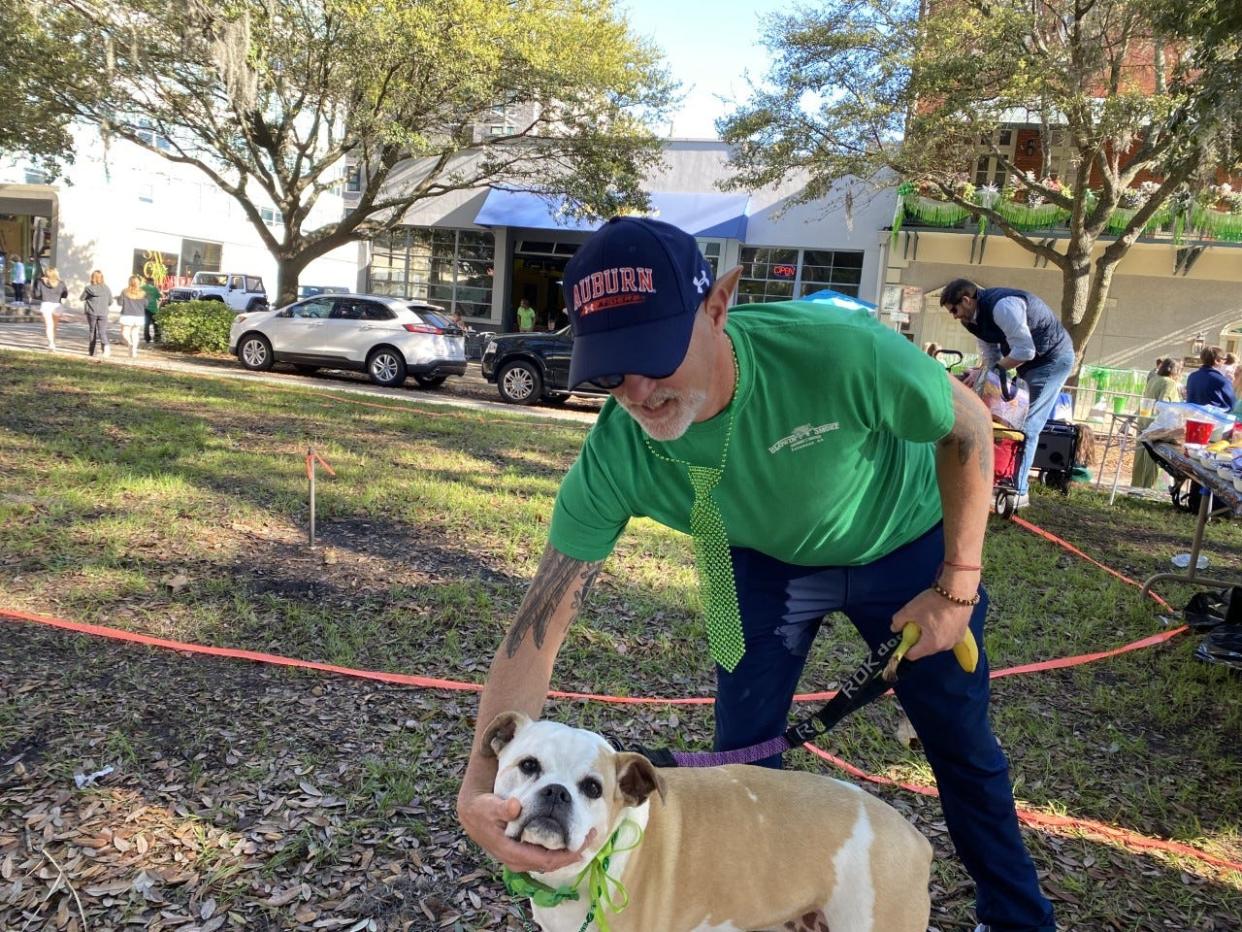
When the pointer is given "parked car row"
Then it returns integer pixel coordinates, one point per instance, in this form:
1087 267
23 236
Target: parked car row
392 339
389 339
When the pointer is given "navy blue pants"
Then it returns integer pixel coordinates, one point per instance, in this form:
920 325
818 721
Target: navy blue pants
782 608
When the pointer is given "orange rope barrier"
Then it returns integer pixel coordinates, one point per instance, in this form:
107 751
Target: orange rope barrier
1044 820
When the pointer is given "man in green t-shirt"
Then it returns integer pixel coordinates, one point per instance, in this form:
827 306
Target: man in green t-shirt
153 306
525 316
822 463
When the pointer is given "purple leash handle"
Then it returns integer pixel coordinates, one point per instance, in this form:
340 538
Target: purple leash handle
755 752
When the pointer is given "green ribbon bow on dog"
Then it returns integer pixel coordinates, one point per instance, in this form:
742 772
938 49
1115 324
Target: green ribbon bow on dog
607 893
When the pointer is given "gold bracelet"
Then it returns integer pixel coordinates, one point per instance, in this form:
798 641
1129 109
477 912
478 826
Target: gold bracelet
945 593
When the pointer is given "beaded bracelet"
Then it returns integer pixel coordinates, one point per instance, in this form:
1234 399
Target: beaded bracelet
945 593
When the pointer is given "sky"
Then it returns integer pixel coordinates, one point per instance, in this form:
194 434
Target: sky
709 46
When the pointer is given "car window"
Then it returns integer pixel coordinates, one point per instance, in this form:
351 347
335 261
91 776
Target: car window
207 278
254 284
316 308
437 320
372 310
235 282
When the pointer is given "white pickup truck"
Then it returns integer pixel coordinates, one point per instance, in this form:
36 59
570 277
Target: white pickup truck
239 292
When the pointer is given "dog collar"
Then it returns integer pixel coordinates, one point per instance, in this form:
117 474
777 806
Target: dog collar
607 893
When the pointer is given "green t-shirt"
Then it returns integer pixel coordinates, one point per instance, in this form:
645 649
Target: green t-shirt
153 298
832 460
526 318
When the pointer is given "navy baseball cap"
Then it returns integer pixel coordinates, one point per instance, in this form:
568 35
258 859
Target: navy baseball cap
632 291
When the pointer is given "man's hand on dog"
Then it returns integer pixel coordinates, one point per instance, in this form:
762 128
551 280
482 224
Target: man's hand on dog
484 817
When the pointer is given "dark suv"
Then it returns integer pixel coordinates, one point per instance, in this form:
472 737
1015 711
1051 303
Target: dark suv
531 367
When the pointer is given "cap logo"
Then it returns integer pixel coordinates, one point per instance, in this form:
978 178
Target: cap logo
701 281
612 288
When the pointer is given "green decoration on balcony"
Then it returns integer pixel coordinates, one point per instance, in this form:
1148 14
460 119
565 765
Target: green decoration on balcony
1024 217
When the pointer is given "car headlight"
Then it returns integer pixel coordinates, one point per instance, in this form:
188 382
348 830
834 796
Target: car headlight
195 294
491 347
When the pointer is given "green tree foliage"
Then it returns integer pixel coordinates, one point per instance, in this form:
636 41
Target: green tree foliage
862 92
274 99
29 125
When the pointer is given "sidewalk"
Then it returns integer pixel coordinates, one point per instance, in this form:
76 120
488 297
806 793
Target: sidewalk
71 341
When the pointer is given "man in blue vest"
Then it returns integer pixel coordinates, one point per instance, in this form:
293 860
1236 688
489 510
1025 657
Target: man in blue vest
1016 330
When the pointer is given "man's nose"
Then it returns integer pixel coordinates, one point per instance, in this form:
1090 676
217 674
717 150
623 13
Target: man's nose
636 388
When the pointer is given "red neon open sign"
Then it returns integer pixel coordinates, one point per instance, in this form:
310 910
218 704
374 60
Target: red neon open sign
784 271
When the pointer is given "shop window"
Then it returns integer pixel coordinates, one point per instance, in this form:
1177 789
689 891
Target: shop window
451 268
198 256
840 271
711 249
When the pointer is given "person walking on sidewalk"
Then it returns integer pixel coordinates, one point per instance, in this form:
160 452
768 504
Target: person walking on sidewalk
17 278
50 292
1016 330
153 307
98 299
133 301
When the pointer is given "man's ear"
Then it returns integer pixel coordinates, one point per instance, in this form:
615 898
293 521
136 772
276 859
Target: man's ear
501 731
637 778
718 299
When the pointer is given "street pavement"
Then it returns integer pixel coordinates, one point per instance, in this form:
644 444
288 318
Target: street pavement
470 391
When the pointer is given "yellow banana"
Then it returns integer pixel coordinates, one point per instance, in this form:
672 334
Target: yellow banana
966 651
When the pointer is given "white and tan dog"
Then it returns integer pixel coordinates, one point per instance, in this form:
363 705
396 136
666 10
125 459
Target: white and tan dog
724 849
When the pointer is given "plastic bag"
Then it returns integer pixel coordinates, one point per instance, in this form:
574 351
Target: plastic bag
1063 410
1171 416
1008 399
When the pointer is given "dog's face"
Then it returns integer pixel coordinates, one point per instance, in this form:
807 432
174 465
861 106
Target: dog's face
568 781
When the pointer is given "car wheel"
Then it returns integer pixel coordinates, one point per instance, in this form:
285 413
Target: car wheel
520 383
430 381
386 366
305 369
255 353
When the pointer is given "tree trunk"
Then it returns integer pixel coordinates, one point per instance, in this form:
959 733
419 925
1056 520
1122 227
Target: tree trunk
288 270
1075 292
1082 326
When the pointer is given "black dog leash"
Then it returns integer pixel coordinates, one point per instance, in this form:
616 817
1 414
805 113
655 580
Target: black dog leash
874 677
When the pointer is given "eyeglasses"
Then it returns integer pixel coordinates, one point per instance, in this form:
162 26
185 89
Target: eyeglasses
609 382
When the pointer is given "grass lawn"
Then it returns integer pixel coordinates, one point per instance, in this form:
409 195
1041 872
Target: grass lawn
254 797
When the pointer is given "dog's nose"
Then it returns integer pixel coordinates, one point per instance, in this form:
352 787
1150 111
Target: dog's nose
555 795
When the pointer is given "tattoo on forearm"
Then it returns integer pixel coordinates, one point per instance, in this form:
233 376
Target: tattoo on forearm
971 437
555 576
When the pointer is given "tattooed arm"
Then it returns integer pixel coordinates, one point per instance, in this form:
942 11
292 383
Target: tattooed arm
518 680
964 474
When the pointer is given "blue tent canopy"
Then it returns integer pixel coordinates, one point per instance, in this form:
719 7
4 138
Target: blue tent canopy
843 301
710 215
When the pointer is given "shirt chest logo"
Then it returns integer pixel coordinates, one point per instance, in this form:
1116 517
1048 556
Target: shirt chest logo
803 436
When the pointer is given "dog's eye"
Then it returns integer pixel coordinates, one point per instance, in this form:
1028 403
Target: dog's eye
530 767
591 788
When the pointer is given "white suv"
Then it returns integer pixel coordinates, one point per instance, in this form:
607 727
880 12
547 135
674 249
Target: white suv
388 338
239 292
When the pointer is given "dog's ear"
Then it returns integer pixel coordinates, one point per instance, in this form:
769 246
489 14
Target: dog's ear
501 731
637 778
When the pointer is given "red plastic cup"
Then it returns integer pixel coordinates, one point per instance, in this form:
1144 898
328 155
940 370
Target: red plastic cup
1199 432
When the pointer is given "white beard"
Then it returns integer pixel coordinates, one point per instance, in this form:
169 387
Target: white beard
674 417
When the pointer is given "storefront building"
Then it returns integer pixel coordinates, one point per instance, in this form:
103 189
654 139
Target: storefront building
126 211
482 252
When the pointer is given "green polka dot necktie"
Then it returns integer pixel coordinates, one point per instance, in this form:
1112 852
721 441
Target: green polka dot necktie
715 566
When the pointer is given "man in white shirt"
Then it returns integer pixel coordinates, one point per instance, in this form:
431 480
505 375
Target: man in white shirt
1016 330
